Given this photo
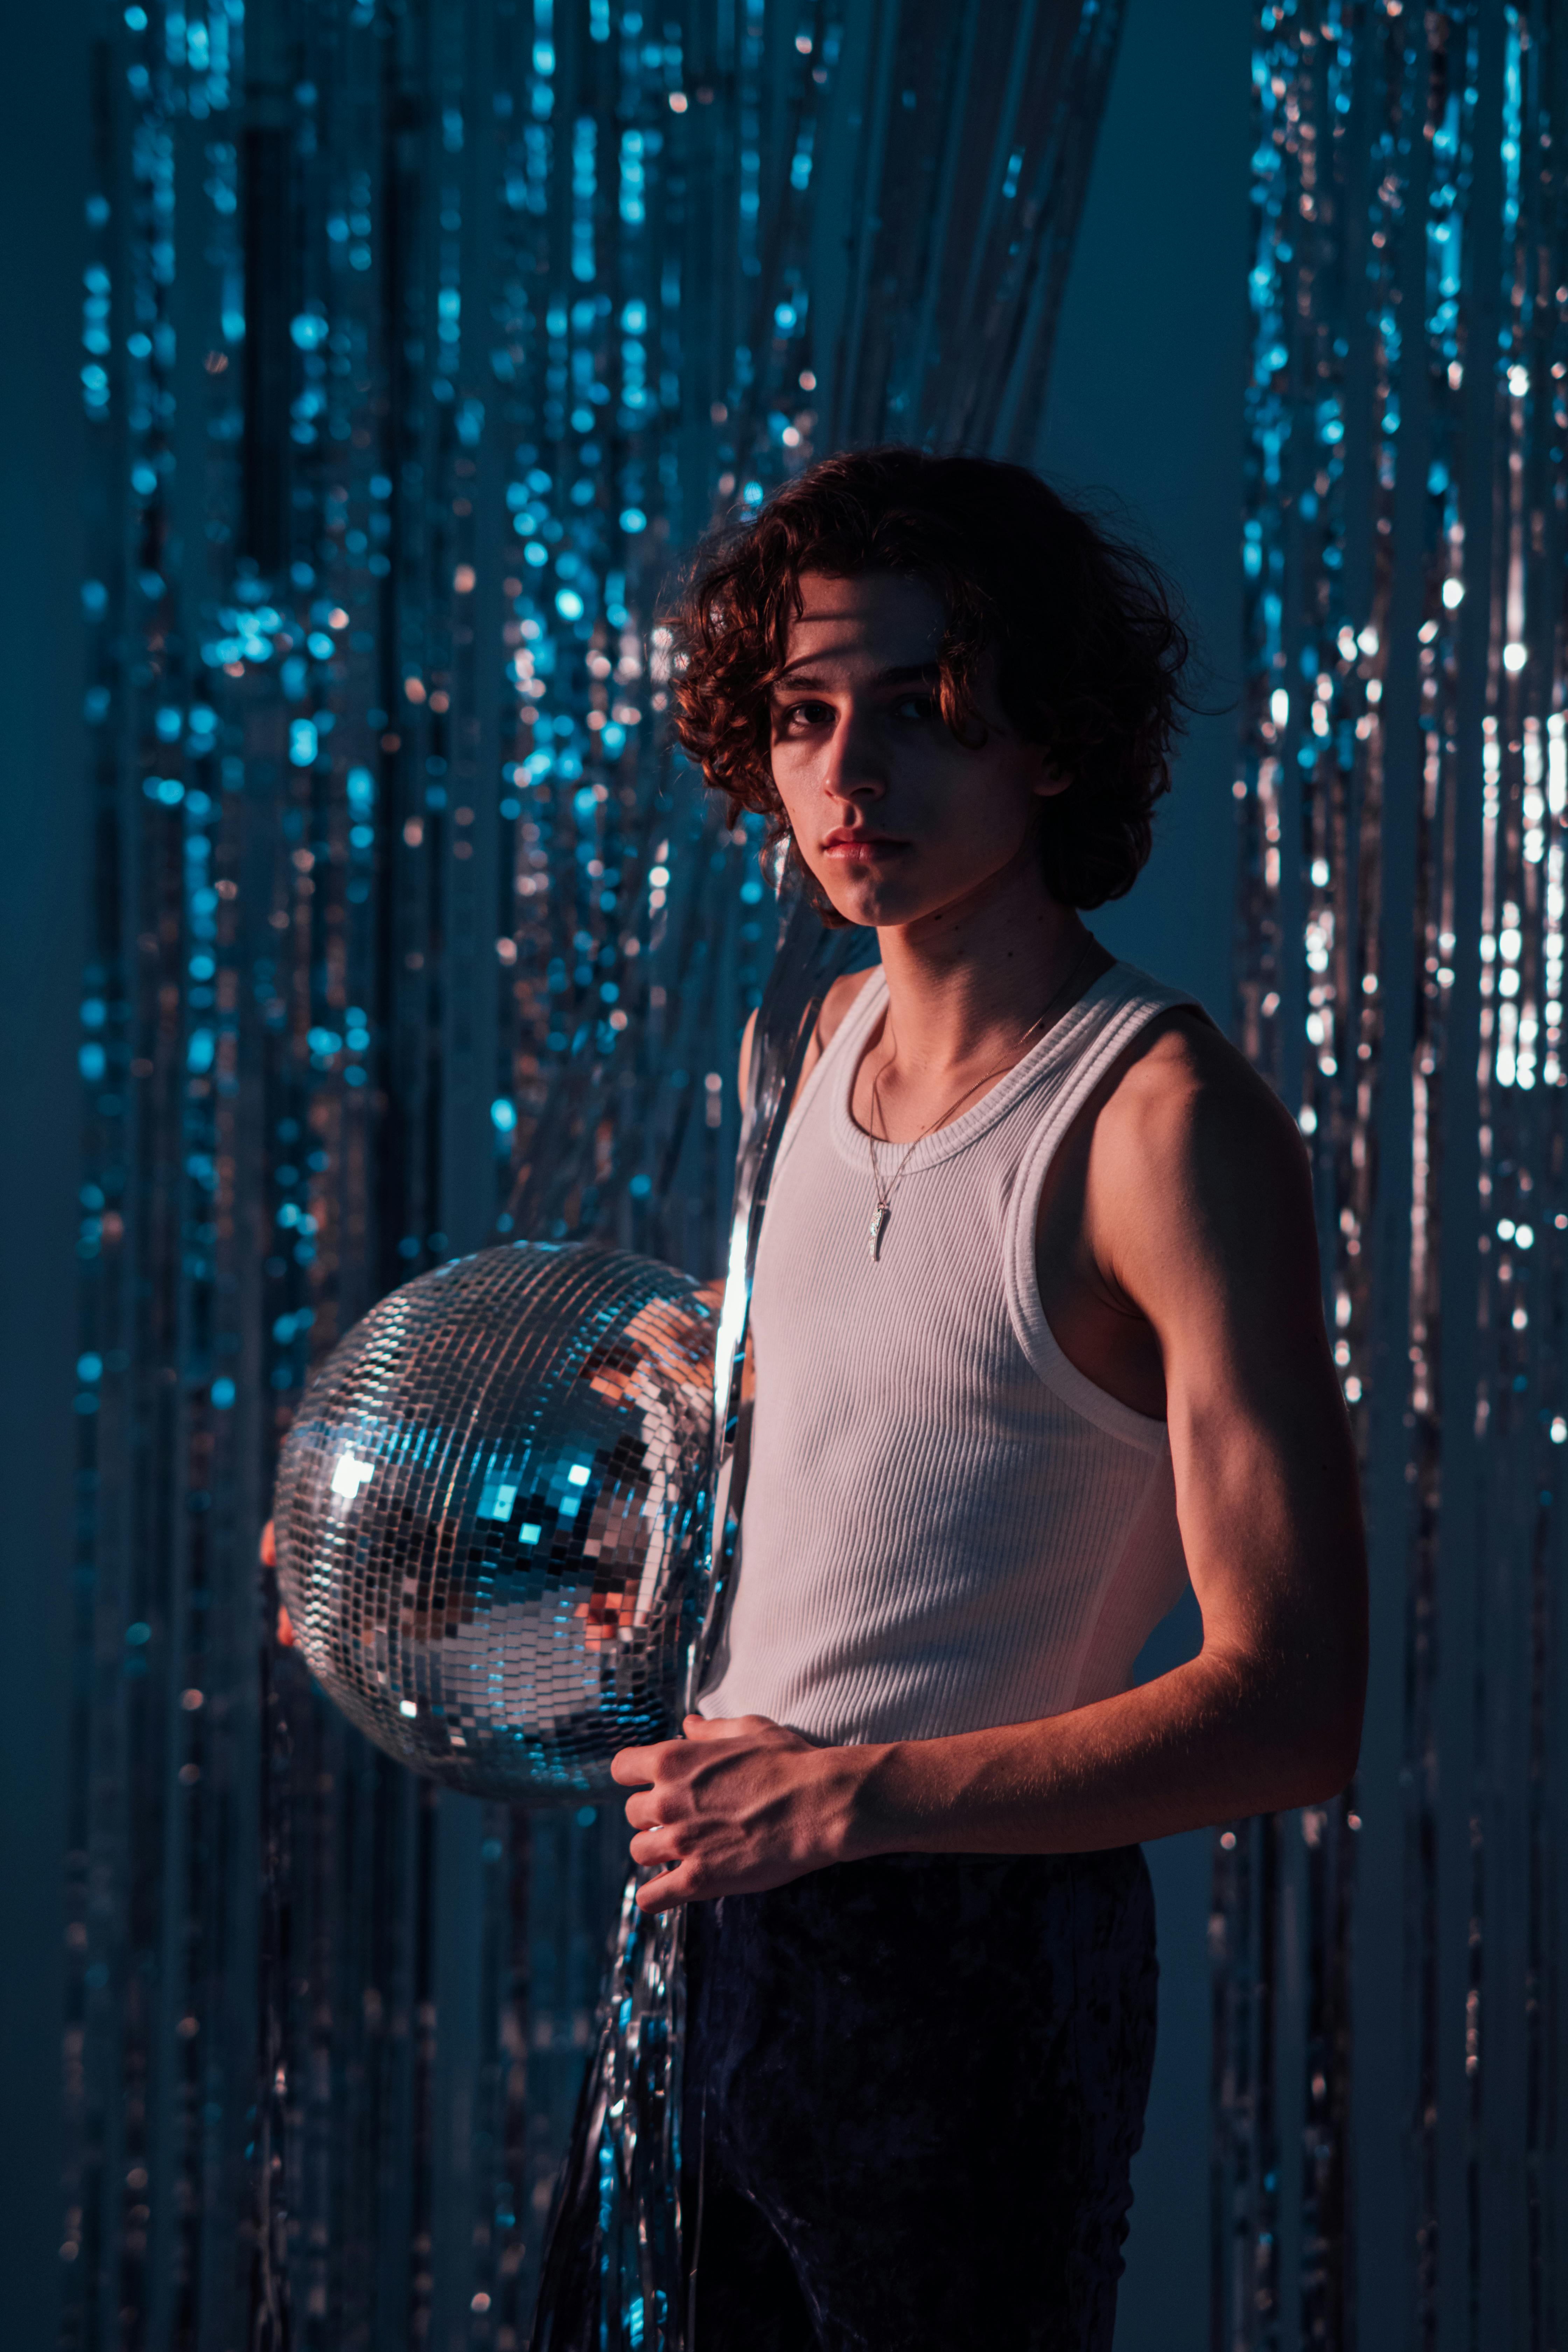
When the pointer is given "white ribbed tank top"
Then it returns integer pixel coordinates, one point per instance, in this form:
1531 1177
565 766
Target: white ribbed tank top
946 1525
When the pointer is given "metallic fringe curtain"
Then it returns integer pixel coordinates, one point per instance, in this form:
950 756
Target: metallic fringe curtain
1404 803
419 342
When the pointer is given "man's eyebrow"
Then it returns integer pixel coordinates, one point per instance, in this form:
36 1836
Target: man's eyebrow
903 674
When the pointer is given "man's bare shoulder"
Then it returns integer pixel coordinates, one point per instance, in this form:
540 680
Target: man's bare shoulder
1181 1068
1189 1136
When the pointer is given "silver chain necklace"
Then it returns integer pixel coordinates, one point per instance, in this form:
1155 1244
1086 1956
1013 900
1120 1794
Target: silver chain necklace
884 1208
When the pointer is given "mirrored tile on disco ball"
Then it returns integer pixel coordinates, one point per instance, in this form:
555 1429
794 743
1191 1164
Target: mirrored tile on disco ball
490 1510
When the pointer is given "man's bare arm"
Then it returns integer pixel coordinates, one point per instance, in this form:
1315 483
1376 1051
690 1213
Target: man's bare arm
1199 1213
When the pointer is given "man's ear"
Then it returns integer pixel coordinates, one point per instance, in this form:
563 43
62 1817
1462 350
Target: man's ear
1049 782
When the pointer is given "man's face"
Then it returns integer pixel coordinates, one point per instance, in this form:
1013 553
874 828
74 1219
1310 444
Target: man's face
895 818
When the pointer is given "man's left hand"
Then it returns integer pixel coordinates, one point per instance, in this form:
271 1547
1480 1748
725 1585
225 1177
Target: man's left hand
736 1806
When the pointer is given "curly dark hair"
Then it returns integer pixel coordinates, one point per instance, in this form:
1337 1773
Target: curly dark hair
1084 626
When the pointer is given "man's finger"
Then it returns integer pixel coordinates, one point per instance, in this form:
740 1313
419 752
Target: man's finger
645 1811
725 1727
635 1767
662 1894
654 1845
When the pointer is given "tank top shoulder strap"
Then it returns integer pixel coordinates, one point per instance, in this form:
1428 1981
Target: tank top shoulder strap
1122 1004
845 1043
1104 1022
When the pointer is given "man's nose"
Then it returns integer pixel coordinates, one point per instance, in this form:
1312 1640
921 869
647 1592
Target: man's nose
856 766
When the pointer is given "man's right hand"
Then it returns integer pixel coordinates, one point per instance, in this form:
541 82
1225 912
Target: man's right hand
269 1559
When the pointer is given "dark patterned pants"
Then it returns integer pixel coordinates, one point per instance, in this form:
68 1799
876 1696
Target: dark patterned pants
914 2089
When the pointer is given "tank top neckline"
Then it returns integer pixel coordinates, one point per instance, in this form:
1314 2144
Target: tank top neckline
1045 1062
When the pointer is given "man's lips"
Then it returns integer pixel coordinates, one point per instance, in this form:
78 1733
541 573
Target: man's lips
861 848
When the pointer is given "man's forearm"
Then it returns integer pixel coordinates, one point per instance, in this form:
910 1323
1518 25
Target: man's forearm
739 1804
1208 1742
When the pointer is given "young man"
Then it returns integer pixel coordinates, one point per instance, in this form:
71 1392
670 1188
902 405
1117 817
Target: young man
1036 1335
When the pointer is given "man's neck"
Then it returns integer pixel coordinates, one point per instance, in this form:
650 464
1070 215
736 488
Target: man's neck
965 984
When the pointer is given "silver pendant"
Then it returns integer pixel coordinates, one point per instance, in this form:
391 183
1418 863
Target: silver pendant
879 1227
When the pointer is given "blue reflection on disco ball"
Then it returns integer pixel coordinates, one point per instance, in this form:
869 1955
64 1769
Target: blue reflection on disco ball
489 1513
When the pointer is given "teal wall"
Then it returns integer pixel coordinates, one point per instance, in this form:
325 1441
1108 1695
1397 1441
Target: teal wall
43 172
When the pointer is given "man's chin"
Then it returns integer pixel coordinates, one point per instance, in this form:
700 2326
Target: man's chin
941 887
872 899
867 908
879 903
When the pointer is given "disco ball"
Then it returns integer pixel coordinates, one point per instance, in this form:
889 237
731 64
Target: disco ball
489 1511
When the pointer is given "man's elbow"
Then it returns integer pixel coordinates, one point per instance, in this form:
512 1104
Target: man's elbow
1305 1718
1326 1751
1322 1781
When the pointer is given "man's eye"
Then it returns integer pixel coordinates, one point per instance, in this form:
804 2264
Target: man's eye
803 715
919 706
